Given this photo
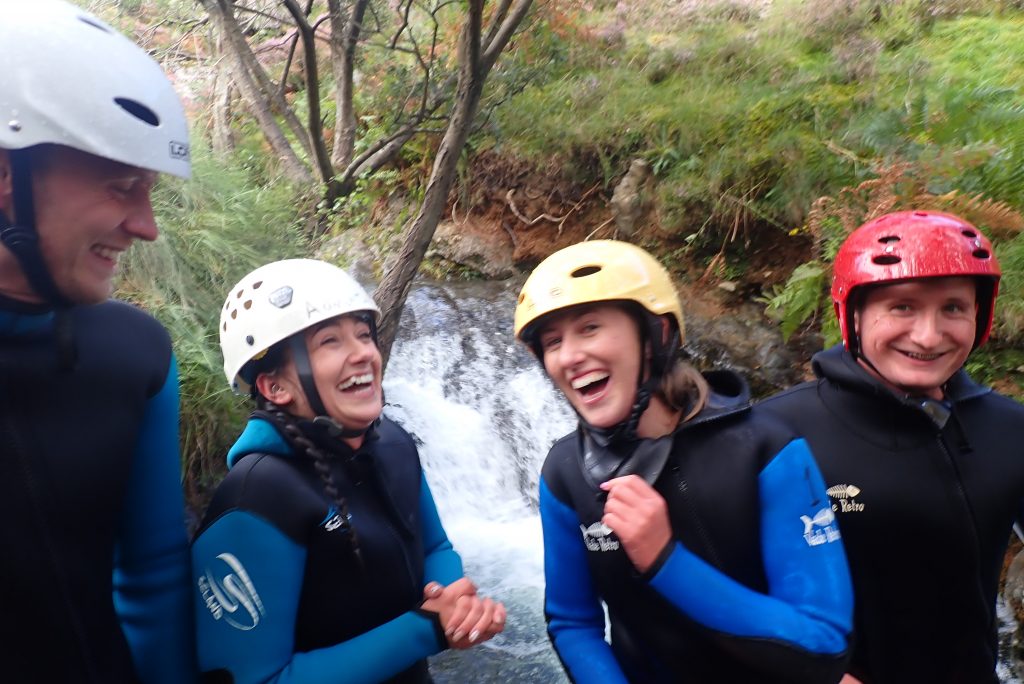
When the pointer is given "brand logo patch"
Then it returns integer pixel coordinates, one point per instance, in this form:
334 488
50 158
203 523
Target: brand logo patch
844 498
281 297
233 597
821 528
599 537
178 150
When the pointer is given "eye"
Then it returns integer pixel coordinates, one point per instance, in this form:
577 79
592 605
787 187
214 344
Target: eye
327 339
549 342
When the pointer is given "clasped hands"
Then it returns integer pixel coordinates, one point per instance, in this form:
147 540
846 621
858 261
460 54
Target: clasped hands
467 619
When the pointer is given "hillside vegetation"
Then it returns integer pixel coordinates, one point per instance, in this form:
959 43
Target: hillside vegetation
767 122
770 130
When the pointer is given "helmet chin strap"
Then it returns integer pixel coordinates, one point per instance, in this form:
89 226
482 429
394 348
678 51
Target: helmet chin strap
21 237
662 355
300 357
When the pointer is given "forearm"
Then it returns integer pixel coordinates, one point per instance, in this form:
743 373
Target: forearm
151 575
571 605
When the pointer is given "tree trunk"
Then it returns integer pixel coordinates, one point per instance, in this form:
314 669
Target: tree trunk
259 96
344 37
476 61
222 138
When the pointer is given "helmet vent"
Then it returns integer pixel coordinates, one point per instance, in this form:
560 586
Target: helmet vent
95 24
981 254
257 284
138 110
886 260
889 239
969 233
584 271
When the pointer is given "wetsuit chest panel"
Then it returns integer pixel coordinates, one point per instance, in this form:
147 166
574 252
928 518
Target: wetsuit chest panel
925 514
80 427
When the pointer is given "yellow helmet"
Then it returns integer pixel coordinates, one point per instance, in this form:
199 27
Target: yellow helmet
595 271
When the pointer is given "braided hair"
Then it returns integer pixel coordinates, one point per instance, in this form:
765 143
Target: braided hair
305 446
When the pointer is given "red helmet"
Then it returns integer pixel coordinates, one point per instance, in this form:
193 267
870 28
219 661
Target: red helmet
913 244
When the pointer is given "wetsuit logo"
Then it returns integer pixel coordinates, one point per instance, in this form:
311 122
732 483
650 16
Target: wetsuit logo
844 496
820 529
598 537
233 598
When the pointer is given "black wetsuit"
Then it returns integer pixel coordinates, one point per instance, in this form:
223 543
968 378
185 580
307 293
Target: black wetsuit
754 587
925 512
94 569
280 594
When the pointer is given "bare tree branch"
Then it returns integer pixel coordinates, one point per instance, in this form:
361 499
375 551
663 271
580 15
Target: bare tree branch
228 28
314 125
345 35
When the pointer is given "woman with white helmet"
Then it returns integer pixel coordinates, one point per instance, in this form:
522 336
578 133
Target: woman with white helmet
322 556
701 525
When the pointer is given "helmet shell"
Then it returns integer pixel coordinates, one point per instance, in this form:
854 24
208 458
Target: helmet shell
278 300
908 245
595 271
70 79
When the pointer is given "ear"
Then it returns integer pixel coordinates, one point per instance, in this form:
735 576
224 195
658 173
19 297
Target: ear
274 388
6 183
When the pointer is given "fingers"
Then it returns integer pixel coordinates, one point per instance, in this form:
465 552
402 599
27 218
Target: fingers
491 621
469 610
432 590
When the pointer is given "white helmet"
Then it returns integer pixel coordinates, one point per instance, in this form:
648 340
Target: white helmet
278 300
70 79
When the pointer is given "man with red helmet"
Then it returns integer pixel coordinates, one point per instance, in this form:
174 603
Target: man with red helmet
922 465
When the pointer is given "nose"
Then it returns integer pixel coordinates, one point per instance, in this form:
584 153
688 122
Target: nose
927 331
570 352
140 222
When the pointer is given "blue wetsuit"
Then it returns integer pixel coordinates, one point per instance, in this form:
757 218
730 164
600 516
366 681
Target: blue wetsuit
280 595
753 587
94 577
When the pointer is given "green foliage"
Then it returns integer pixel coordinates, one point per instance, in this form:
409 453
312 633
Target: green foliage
214 229
799 299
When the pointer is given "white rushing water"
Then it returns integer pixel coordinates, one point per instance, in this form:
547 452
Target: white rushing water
484 416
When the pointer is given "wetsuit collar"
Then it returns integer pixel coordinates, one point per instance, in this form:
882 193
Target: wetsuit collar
839 366
603 459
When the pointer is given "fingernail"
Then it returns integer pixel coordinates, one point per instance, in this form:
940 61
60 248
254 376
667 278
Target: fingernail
457 636
474 635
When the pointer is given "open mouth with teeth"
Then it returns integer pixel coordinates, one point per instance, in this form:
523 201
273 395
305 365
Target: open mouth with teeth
356 382
922 357
108 253
590 384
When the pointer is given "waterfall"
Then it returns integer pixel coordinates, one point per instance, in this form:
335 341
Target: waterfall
484 416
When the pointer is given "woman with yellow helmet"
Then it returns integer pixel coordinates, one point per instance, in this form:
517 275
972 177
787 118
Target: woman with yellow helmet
702 525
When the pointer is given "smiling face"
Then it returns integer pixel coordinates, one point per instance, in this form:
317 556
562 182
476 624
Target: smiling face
918 333
346 371
89 210
592 353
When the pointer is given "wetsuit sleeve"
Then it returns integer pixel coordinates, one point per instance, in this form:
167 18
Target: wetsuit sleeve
798 631
571 605
151 562
249 577
442 563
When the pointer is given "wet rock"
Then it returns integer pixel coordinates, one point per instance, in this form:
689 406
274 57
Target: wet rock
466 244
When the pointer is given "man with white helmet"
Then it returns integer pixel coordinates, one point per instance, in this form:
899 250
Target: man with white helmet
94 577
